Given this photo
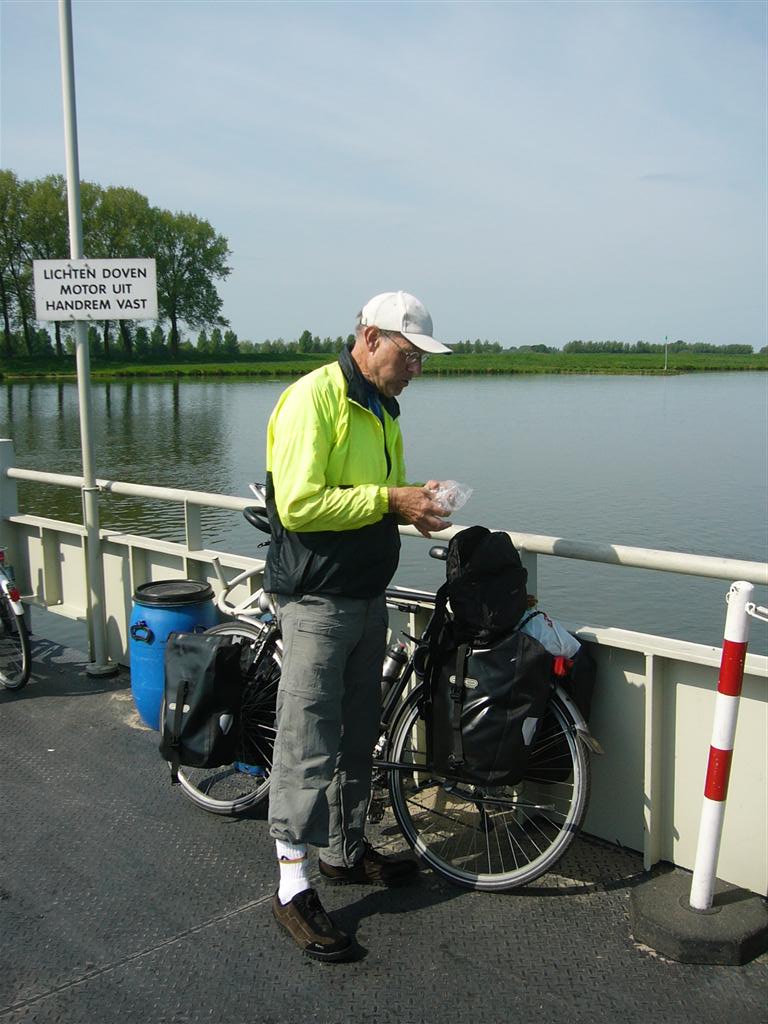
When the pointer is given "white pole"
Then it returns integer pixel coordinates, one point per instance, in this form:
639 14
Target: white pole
729 683
94 568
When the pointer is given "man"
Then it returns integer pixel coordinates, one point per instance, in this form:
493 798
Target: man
336 491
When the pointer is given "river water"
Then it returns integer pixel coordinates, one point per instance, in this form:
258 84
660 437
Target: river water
663 462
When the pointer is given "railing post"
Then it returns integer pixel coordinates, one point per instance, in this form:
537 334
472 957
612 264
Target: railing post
9 506
686 919
530 562
9 502
735 641
193 532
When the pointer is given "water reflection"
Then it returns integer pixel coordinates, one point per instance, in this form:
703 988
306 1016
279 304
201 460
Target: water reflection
643 461
166 434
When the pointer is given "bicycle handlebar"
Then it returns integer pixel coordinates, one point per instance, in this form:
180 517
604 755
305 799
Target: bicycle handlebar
258 517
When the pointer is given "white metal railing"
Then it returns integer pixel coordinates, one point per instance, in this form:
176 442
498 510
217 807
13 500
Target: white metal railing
613 554
652 707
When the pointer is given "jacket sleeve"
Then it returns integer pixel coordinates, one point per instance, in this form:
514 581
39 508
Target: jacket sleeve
301 434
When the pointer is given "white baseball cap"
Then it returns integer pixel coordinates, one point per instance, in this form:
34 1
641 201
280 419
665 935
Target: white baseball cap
401 312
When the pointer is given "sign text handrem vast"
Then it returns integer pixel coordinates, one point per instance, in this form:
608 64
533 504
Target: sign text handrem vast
95 289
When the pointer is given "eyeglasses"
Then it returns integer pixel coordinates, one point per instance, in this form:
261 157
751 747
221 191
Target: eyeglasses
412 357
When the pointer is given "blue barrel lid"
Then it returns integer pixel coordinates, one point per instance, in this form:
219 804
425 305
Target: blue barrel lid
171 592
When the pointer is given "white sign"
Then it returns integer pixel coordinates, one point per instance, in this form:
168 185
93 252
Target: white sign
95 289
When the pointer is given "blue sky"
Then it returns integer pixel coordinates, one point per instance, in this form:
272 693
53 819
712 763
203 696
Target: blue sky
534 172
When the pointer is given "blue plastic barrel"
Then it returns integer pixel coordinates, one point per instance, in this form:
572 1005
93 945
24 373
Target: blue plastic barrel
159 609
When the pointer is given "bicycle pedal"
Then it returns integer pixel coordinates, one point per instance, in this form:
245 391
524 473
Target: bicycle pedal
375 810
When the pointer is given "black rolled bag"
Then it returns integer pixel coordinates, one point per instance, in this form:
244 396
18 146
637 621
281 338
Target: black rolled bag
199 726
485 585
487 683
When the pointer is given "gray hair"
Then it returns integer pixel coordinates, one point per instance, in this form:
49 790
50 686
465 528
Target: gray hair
358 324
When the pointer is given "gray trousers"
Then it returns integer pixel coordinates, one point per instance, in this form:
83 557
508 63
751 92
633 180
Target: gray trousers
328 713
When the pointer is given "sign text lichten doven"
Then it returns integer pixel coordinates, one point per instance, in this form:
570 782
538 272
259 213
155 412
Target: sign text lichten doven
95 289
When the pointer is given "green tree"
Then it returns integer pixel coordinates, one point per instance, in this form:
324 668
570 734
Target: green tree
117 224
41 343
47 228
190 258
94 343
217 342
15 272
141 344
157 346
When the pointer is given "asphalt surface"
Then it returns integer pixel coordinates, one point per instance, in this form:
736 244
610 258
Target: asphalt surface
122 902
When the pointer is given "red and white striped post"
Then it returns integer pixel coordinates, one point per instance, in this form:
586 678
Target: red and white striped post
721 749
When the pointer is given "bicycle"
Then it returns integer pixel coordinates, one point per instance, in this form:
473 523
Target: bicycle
15 653
486 838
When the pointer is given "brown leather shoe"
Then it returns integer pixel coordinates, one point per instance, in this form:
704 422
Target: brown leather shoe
311 928
373 868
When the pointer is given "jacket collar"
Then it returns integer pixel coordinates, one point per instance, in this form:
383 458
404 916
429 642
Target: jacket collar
356 386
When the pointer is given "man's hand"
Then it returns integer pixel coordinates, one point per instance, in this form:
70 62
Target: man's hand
417 507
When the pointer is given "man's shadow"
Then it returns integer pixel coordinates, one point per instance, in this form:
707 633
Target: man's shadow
428 891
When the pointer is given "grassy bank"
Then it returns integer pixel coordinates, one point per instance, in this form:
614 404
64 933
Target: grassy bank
261 366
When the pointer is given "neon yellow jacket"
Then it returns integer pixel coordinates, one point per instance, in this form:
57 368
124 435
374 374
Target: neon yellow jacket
330 460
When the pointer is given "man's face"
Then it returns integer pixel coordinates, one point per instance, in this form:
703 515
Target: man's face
394 363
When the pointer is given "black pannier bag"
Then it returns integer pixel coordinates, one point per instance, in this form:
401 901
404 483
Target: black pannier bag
487 683
203 695
577 678
486 709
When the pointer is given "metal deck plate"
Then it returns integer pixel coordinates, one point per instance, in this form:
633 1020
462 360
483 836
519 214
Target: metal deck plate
122 902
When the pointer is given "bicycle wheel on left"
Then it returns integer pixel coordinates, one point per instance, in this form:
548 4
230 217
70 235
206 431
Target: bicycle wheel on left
15 656
240 786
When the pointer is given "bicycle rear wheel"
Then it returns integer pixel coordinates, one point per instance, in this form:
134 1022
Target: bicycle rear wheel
240 786
491 838
15 656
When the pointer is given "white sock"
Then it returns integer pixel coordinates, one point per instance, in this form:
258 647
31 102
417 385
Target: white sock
294 870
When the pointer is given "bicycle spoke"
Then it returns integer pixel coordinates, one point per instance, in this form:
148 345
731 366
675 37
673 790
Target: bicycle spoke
15 655
237 787
492 837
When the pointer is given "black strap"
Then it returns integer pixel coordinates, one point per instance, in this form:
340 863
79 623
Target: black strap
435 628
430 645
456 757
181 696
433 639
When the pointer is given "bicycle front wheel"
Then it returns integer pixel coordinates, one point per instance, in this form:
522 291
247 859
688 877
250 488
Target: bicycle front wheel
491 838
15 656
240 786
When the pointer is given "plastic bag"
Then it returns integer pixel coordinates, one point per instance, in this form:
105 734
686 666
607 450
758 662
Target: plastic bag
551 634
452 495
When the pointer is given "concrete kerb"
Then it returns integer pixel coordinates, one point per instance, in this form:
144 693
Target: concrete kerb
732 932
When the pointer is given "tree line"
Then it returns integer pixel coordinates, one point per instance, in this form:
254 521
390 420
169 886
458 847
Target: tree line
642 347
190 257
117 223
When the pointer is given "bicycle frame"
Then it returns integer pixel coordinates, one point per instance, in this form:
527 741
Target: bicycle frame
258 604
